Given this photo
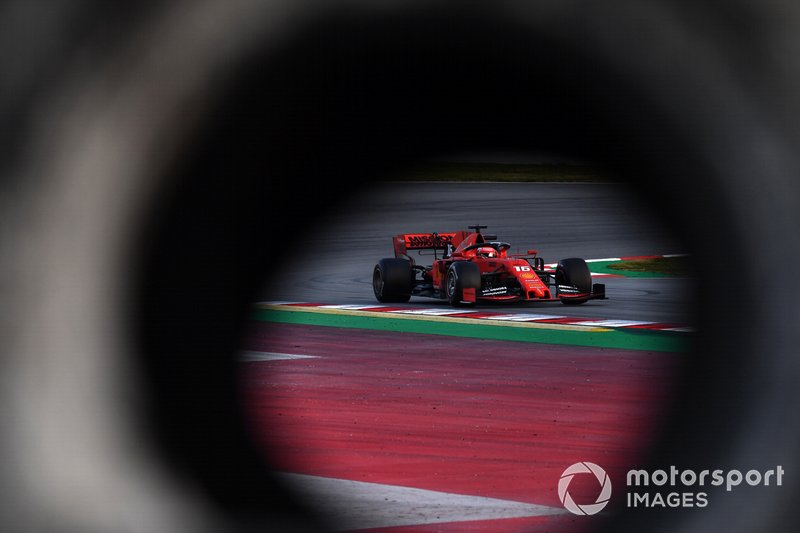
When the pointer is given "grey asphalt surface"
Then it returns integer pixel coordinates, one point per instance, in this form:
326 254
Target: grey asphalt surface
589 220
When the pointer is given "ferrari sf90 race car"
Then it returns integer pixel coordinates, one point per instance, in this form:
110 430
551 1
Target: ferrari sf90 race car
468 267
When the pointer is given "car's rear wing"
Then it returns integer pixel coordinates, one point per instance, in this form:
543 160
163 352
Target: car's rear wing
426 241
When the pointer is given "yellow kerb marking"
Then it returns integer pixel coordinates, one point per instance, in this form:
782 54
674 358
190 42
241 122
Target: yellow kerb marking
433 318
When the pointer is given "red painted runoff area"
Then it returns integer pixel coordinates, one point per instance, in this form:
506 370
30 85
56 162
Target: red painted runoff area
490 418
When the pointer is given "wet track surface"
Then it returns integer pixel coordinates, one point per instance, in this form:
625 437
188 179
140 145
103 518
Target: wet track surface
589 220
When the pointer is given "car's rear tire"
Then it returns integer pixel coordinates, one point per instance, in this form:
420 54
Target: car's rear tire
574 274
392 280
461 275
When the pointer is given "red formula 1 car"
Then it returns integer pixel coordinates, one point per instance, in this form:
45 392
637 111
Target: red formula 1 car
476 267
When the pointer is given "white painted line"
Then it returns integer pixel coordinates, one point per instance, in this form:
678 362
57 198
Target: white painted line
613 323
686 329
353 307
434 312
361 505
248 357
523 317
606 259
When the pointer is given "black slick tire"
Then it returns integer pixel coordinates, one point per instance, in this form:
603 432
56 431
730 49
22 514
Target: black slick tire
461 275
392 279
573 277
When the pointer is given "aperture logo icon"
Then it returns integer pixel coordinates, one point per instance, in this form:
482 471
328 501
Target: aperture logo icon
602 479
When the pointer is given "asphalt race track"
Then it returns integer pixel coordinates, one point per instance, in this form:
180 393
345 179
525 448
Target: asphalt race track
429 419
593 221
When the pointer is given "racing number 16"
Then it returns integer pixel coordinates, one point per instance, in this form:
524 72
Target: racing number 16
520 268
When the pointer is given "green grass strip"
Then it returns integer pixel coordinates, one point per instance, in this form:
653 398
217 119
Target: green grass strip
502 172
603 267
631 339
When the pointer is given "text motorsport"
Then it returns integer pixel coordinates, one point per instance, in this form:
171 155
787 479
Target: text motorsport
689 478
645 488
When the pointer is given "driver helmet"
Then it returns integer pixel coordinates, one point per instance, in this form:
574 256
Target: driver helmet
487 251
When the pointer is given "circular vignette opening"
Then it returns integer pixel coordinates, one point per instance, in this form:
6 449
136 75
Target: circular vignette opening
357 96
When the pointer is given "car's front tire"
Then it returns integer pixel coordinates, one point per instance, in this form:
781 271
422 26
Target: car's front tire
461 275
574 281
